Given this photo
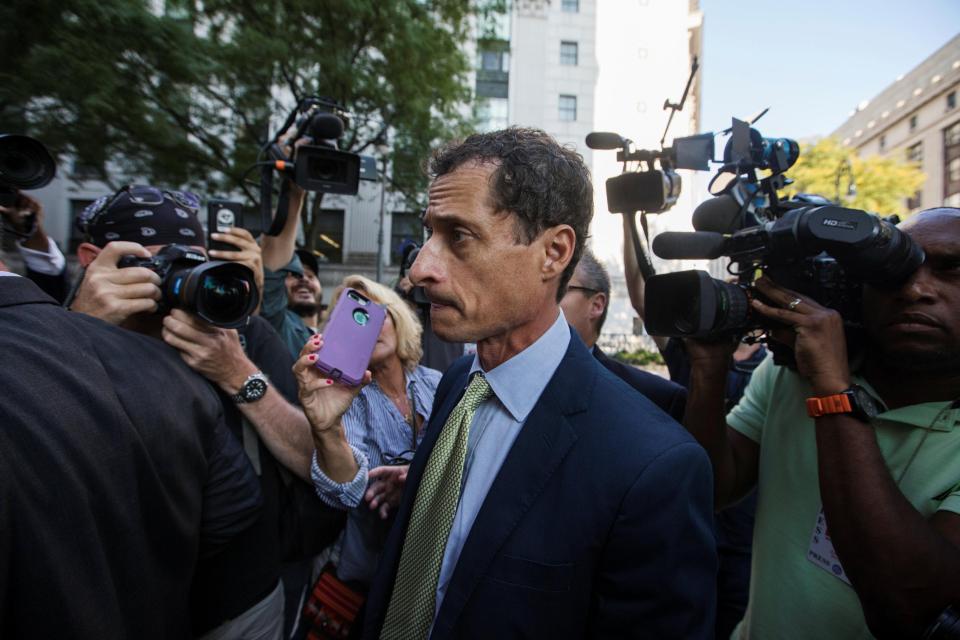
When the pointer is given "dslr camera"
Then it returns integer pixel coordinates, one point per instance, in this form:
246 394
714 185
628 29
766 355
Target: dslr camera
807 244
224 294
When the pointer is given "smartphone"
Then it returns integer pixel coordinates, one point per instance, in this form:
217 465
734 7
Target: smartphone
222 215
349 337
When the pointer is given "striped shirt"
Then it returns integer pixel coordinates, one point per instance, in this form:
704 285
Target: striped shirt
377 433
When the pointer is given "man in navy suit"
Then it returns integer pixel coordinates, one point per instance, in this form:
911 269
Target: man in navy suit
585 306
579 509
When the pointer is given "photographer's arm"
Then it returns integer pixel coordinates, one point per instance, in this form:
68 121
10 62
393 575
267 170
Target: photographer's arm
217 355
734 456
905 568
635 283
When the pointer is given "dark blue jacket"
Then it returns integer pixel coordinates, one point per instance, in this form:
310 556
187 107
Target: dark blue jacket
597 525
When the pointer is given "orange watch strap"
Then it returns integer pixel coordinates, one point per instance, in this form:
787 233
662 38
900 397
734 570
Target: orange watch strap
837 403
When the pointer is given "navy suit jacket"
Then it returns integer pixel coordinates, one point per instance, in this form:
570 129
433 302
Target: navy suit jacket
667 395
599 523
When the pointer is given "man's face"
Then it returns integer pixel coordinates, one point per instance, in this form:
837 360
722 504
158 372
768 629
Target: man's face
480 280
917 326
304 292
582 306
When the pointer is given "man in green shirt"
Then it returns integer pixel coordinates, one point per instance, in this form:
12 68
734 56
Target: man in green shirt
888 485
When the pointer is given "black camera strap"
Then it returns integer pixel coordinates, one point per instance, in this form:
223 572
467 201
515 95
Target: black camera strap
643 258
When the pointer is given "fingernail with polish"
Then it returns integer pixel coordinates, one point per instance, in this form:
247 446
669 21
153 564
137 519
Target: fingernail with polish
329 381
312 357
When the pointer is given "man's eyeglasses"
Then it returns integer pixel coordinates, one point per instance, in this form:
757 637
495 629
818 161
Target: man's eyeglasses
574 287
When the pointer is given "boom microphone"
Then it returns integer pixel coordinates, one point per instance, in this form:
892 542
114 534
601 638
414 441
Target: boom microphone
683 245
720 215
605 140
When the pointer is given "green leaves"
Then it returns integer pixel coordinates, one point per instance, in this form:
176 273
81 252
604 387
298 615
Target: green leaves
186 97
882 183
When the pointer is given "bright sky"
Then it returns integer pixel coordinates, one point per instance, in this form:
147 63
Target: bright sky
811 61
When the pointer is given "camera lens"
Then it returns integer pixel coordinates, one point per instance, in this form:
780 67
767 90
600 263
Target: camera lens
222 293
224 299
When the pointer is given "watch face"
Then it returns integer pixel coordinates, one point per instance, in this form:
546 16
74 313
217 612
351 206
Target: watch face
254 390
868 405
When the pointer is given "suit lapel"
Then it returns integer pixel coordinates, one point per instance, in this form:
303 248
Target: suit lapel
538 451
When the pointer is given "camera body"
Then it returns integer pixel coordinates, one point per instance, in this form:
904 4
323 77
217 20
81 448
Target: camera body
224 294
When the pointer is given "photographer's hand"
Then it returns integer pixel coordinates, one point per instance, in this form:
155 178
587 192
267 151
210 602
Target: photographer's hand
249 253
18 217
113 294
218 355
815 333
324 402
214 353
385 488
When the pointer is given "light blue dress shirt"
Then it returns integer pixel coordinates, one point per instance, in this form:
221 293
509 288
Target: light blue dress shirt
517 385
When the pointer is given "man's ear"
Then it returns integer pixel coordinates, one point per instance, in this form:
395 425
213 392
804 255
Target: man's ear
559 243
597 304
87 253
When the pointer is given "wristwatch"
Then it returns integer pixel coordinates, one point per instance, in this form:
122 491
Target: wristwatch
855 400
253 388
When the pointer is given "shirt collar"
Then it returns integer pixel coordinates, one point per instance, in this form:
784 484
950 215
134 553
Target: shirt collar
937 416
519 381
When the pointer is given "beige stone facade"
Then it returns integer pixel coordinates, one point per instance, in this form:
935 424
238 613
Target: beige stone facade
917 118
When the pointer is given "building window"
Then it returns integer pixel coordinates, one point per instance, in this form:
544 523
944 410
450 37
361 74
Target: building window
916 201
951 100
492 114
570 6
951 135
568 53
568 108
951 164
913 123
329 244
883 142
915 153
405 227
495 60
953 171
493 67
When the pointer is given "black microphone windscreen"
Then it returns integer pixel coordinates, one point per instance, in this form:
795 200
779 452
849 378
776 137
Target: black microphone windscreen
685 245
604 140
325 126
720 214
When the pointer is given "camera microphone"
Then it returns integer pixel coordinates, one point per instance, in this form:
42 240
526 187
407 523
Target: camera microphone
325 126
605 140
720 215
683 245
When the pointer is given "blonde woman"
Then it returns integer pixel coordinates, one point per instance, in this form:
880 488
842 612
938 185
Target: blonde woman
364 436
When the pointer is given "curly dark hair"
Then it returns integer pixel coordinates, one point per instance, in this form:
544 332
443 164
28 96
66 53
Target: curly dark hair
542 183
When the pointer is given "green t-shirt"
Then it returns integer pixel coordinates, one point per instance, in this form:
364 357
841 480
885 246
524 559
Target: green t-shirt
790 596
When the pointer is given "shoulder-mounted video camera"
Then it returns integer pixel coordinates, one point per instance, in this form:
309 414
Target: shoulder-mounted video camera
807 244
318 166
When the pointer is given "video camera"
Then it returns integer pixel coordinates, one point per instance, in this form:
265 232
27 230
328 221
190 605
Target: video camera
807 244
319 166
25 164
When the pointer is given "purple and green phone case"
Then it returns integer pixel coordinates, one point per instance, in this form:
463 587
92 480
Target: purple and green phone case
349 337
